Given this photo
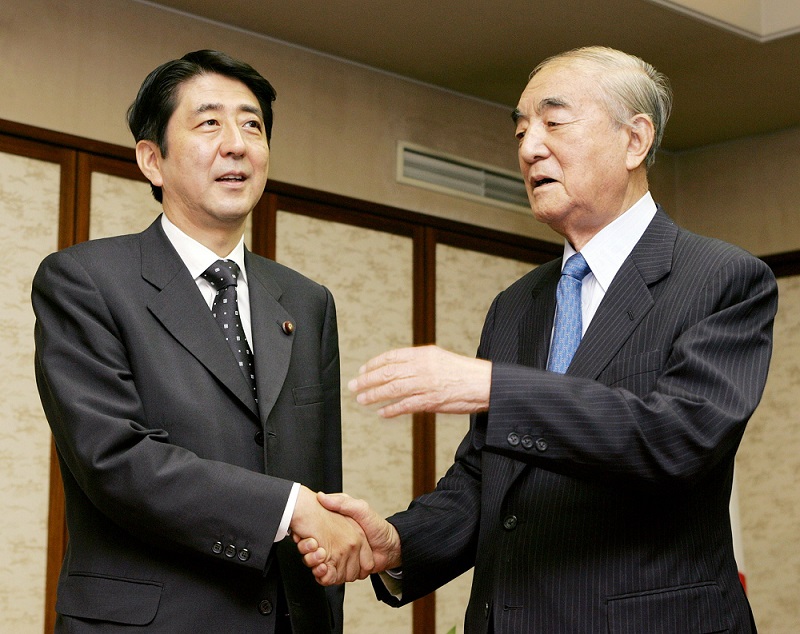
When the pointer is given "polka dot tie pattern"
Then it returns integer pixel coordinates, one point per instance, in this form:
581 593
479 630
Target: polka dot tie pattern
569 323
222 276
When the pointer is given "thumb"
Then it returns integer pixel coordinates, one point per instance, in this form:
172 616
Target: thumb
337 502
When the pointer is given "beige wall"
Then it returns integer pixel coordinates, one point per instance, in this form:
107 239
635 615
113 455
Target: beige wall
75 66
746 192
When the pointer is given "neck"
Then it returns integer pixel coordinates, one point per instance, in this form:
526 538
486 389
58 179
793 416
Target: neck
219 237
578 236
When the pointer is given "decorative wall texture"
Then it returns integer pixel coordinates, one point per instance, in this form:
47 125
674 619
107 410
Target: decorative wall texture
466 284
369 274
768 478
29 199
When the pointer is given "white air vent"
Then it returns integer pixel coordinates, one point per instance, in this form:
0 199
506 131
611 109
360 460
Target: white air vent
453 175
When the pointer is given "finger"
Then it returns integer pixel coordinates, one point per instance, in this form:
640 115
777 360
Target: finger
345 505
393 389
308 545
384 367
315 558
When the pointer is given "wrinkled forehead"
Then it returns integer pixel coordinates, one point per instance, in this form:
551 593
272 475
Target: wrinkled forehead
568 83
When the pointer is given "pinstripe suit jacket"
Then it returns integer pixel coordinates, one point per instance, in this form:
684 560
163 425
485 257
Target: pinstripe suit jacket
598 501
175 480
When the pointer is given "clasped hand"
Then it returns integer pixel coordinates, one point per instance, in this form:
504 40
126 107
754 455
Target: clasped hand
350 543
343 539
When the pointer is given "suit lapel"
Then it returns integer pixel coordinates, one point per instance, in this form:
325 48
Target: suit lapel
180 308
537 323
272 346
628 299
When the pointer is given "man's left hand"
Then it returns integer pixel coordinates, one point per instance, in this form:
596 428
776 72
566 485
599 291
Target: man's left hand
424 379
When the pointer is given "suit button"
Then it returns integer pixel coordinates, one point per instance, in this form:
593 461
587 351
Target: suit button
527 442
230 551
288 327
541 444
510 522
265 607
513 439
216 548
244 554
259 438
486 610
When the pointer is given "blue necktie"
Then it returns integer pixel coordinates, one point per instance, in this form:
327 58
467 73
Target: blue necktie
222 276
569 324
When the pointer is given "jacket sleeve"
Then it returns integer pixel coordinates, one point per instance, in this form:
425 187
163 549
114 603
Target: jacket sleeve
671 407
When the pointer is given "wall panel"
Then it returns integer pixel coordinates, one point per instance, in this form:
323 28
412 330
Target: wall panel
29 222
768 478
369 274
466 283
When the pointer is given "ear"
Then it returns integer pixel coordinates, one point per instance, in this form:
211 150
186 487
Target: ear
642 135
148 156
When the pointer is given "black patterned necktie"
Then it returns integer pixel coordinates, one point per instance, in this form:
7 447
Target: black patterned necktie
222 276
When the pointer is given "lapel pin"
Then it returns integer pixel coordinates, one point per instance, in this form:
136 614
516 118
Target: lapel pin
288 327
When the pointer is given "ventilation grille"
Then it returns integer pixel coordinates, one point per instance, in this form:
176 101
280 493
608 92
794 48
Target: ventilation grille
451 175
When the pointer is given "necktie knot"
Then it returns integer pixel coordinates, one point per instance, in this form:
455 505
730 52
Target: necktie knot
221 274
576 267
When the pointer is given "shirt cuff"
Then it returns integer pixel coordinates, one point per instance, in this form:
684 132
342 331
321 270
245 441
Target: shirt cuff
283 527
393 580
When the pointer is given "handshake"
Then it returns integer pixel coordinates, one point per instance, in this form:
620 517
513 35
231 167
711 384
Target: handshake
342 538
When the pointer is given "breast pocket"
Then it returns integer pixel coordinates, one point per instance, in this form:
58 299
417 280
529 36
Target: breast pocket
308 394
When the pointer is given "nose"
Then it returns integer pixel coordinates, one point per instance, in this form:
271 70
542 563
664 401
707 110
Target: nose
533 147
233 143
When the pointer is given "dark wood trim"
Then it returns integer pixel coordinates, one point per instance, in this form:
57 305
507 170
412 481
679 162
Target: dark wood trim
451 232
423 434
56 540
262 240
67 141
424 329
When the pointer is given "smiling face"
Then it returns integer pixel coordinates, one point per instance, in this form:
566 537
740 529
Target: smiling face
577 163
217 158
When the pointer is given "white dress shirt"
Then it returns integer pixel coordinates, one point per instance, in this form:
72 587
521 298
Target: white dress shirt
606 252
197 259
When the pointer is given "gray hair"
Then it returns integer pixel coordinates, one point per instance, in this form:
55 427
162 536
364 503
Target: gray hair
629 86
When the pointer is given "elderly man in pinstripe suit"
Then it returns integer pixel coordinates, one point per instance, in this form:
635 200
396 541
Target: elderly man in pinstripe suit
595 500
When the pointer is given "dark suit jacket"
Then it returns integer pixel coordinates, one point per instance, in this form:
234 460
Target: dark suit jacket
598 501
175 480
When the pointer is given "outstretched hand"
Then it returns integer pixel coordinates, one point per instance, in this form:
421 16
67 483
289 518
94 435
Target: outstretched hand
424 379
347 553
381 535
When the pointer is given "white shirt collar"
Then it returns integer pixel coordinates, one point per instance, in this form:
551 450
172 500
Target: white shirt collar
607 250
196 256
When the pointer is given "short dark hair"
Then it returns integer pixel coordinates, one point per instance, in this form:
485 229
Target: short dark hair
150 112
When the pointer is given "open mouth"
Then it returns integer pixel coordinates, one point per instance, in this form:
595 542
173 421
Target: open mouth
542 181
231 178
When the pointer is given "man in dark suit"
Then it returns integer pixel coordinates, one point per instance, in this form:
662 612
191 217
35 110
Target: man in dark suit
590 497
186 458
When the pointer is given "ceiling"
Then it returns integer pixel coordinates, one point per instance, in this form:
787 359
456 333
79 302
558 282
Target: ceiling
726 85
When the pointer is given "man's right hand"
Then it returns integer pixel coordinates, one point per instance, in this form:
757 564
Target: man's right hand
345 549
382 536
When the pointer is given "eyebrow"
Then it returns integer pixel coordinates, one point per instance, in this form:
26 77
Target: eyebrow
547 102
216 107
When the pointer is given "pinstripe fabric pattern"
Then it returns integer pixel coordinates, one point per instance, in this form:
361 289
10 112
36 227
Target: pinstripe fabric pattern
597 501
